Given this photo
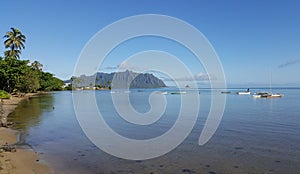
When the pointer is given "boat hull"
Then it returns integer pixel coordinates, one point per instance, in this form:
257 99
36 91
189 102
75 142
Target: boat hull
267 95
244 93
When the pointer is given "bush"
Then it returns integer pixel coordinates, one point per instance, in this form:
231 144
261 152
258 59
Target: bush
4 95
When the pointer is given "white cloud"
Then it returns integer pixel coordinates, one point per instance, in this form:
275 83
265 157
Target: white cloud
202 77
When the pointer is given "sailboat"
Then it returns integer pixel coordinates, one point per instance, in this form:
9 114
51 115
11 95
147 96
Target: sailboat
268 94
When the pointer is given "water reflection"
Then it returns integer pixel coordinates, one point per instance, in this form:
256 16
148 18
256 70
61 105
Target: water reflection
29 111
252 138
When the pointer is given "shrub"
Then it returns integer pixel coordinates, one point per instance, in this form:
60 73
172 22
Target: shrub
4 95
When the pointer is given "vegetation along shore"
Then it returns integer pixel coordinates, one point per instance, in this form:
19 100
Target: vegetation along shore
19 80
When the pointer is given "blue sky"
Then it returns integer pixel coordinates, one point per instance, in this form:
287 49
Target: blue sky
252 38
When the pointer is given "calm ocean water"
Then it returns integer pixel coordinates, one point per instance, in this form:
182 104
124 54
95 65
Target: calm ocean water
255 135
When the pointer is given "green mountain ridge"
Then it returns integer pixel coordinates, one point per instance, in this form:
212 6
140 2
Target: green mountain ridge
126 79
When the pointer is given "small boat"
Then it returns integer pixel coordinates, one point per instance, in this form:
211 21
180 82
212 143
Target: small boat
256 96
244 93
162 92
271 95
275 96
267 95
261 95
178 92
225 92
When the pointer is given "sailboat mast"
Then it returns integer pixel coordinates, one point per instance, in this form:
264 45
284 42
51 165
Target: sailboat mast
271 81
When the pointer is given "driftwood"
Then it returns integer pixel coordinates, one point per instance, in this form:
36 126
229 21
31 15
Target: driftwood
8 148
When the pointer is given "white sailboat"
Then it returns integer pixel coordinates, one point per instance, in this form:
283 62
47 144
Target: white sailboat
271 94
268 94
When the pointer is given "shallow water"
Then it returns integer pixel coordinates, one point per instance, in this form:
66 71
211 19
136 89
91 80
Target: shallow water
255 135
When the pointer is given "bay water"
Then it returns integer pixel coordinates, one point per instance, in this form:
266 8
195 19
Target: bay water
254 136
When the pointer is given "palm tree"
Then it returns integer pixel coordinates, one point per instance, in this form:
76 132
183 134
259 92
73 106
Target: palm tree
36 65
15 40
109 84
12 53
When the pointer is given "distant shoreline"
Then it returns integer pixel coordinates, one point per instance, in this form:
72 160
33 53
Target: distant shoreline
24 160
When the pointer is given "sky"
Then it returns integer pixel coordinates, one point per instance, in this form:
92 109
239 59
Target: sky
253 39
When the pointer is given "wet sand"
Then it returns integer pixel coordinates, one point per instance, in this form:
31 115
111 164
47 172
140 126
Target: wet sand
24 160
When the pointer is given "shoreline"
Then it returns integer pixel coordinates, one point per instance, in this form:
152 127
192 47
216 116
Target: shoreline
24 160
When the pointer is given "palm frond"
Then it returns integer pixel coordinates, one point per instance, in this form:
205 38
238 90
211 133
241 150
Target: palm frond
15 40
15 54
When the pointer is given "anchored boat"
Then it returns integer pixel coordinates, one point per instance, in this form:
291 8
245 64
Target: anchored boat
244 92
268 94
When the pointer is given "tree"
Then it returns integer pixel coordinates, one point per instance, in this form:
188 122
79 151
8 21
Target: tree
109 84
12 53
50 83
37 66
28 80
3 74
15 40
11 72
17 75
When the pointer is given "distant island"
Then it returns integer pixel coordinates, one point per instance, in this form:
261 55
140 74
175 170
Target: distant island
116 80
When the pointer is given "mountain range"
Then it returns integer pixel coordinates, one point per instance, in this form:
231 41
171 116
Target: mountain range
126 79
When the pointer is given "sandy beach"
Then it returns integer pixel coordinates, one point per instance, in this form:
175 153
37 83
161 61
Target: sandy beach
24 160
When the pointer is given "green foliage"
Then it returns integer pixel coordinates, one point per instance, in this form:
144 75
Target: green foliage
28 81
11 71
4 95
12 53
17 75
50 83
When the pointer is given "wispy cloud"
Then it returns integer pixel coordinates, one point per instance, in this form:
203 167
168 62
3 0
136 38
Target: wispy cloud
111 67
288 63
203 76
